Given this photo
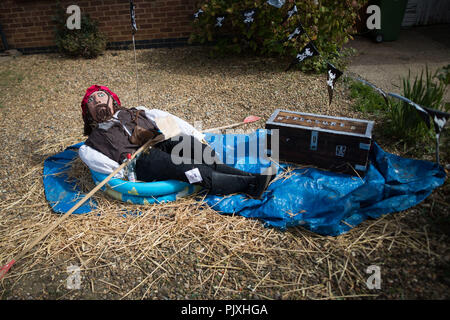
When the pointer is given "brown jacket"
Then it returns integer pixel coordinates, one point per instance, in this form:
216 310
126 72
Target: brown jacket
114 138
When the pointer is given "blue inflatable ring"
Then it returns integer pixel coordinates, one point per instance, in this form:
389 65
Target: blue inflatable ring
132 192
142 189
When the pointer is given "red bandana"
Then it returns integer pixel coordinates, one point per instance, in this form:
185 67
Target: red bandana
90 91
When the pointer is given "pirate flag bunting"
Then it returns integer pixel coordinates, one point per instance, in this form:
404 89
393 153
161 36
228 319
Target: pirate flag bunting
296 33
333 75
290 13
249 16
422 112
198 13
133 17
276 3
220 20
308 51
440 119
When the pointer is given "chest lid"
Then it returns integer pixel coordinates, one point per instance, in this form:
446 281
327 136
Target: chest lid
309 121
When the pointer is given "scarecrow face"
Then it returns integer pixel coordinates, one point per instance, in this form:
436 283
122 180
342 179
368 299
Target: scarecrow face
100 106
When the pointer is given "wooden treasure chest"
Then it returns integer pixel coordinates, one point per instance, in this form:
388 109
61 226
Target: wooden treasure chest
332 143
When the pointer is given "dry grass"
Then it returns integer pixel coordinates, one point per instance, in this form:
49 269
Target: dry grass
185 249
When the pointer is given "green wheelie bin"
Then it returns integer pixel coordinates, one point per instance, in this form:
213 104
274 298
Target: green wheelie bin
392 13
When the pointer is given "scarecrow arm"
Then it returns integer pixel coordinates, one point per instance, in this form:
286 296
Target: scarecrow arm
184 126
97 161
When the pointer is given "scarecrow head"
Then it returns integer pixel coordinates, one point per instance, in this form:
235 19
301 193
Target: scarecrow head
98 105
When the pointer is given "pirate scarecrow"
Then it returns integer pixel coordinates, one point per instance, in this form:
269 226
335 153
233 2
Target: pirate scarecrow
114 132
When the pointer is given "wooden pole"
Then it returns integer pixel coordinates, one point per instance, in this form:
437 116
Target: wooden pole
249 119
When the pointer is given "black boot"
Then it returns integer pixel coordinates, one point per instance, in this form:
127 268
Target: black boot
253 185
223 168
263 181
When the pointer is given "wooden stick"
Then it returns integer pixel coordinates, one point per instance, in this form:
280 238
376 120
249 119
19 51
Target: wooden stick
251 119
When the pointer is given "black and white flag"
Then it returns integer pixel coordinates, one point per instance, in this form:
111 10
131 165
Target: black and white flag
308 51
249 16
299 30
290 13
276 3
133 17
198 13
440 118
332 75
220 20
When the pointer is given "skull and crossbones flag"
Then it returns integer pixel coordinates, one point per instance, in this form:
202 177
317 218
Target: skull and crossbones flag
333 75
220 20
290 13
249 16
299 30
198 13
440 118
133 17
308 51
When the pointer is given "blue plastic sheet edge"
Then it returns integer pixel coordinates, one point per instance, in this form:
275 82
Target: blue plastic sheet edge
61 193
323 202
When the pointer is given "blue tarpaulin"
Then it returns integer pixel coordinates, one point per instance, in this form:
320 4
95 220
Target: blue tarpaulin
60 192
324 202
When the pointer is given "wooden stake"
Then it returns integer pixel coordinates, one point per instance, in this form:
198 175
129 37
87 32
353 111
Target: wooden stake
248 119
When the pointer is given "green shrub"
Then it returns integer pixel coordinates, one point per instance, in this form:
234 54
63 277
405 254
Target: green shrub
329 24
426 90
86 42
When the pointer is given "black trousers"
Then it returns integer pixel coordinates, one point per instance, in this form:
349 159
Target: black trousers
171 159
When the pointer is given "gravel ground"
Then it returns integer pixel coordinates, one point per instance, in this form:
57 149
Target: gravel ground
184 250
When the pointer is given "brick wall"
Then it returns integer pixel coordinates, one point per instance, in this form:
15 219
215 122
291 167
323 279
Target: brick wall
27 24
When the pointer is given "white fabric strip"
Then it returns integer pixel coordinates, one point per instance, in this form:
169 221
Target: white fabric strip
193 176
97 161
